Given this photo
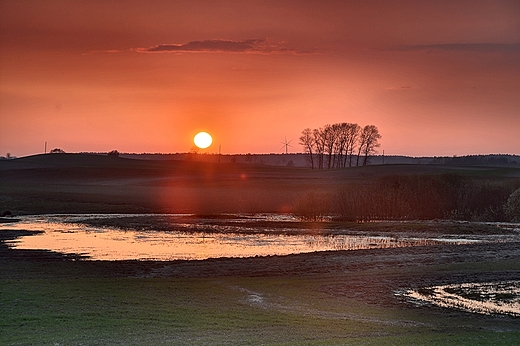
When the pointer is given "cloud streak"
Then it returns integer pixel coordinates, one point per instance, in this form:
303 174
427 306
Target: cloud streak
465 47
246 46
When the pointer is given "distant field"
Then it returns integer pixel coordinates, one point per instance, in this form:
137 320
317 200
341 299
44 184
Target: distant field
72 183
79 183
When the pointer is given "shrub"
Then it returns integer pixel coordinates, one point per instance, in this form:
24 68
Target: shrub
312 207
512 206
427 196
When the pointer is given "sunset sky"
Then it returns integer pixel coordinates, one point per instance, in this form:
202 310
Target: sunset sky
436 77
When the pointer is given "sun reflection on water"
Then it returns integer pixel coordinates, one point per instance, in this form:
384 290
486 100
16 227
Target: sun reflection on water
72 234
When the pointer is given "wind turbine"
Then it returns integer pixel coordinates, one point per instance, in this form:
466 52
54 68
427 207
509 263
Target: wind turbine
286 145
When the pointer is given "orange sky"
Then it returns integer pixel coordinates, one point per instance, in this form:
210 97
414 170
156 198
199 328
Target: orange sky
436 77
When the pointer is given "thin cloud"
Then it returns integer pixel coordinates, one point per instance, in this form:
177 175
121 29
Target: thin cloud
109 51
465 47
246 46
404 87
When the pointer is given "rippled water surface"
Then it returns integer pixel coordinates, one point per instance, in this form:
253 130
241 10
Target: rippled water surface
76 234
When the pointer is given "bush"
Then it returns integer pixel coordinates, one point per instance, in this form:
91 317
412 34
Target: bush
417 197
312 207
428 196
512 206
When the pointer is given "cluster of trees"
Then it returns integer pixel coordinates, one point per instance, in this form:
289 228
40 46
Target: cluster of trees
339 145
8 156
488 160
418 197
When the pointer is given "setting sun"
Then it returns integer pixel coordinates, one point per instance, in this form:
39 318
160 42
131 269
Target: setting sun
202 140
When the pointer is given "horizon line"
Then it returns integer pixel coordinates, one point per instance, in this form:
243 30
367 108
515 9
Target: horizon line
271 153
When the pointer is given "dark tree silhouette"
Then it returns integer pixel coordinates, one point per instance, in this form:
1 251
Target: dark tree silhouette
512 206
368 142
319 145
308 143
329 138
113 153
353 131
345 136
338 143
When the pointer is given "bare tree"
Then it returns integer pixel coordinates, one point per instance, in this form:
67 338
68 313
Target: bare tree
329 138
353 131
319 145
346 136
338 143
368 142
308 143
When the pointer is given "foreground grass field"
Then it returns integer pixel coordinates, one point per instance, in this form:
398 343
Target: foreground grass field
223 311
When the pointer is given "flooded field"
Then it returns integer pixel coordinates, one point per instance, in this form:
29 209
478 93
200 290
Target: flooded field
460 283
186 237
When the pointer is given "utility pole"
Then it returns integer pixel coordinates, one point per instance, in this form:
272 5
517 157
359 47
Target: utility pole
45 147
383 156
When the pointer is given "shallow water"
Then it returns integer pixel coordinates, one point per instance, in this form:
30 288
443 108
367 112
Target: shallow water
72 234
484 298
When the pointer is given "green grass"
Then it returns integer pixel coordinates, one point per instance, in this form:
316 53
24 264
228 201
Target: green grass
213 311
130 311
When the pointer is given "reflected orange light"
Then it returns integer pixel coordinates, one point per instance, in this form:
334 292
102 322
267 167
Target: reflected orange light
114 244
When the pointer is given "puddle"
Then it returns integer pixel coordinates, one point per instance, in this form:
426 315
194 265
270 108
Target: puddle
483 298
73 234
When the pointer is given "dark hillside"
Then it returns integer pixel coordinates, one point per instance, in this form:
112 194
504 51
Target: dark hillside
88 166
78 183
93 183
301 160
